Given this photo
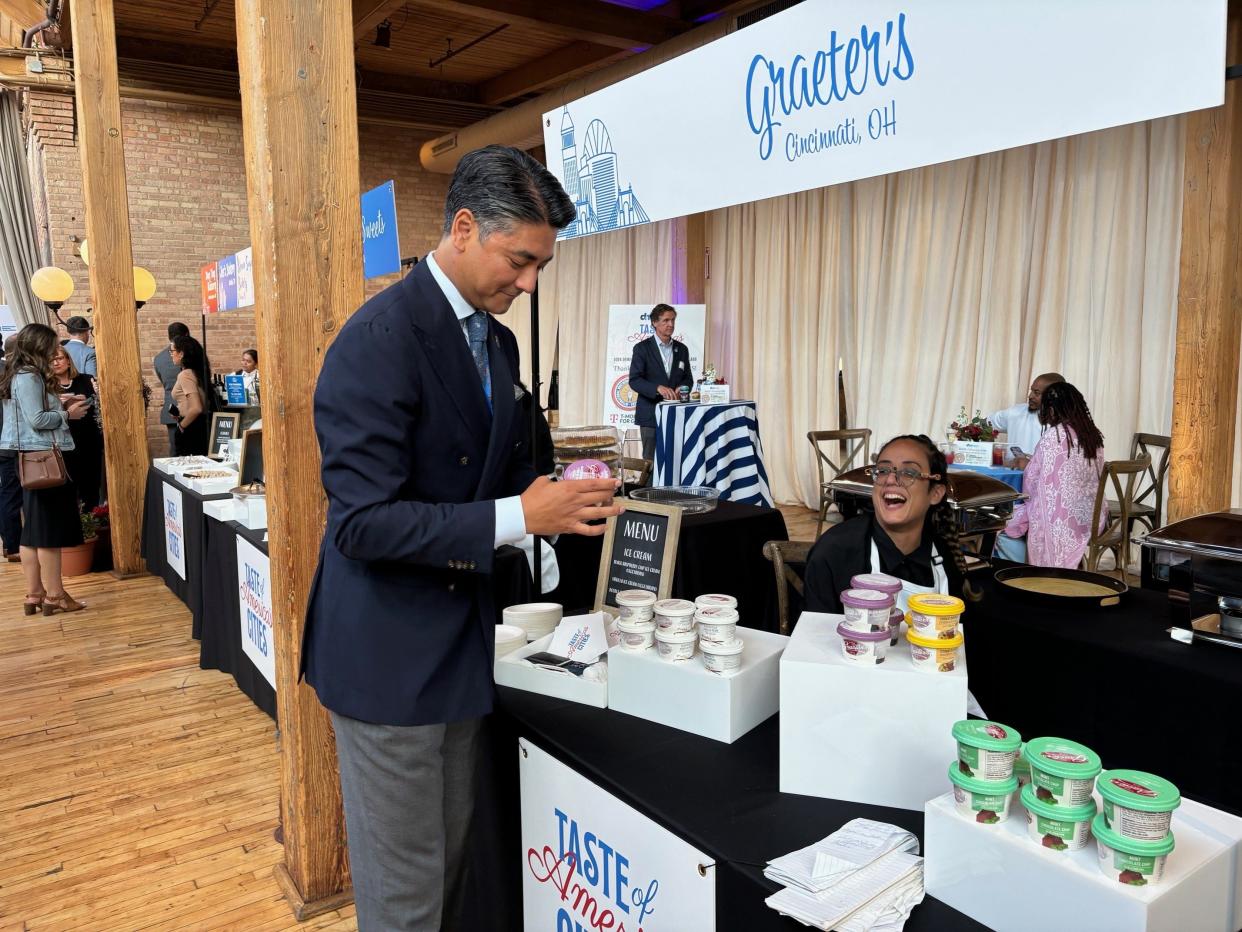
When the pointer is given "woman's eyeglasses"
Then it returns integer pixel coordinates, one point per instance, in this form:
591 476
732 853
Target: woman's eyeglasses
906 475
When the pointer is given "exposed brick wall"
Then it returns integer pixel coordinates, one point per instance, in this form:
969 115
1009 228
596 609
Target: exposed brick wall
186 177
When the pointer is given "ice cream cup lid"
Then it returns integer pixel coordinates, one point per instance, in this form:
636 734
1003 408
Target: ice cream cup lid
674 607
880 582
851 635
1126 845
991 736
934 643
716 599
933 603
980 786
1062 758
1135 789
1034 804
866 598
636 598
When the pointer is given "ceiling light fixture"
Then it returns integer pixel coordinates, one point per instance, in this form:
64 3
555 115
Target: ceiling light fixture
383 35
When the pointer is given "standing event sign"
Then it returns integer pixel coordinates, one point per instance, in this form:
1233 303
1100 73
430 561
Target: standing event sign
245 277
836 90
210 278
226 293
381 248
592 862
627 325
174 528
254 600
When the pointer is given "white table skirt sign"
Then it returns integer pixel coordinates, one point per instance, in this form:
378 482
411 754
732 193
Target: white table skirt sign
713 445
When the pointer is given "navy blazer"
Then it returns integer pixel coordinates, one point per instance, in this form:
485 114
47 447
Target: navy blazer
400 625
647 374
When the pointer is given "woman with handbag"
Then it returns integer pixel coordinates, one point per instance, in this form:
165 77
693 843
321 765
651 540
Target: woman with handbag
36 426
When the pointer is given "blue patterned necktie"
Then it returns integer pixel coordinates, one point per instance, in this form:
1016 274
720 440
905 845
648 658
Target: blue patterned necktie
476 328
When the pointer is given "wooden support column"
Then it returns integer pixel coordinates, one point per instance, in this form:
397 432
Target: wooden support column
689 269
101 146
300 125
1209 312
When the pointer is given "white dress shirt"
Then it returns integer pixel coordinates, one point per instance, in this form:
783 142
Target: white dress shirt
510 519
666 354
1021 426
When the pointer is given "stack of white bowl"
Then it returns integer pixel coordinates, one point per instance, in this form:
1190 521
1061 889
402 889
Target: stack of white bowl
537 619
508 639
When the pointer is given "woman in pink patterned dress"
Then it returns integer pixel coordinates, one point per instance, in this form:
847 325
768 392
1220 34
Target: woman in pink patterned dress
1061 481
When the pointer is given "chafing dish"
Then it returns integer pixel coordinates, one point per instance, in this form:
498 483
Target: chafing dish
1198 562
983 505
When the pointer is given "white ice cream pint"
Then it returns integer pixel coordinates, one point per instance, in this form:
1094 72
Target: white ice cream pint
675 646
674 615
721 658
636 635
715 600
866 609
636 604
716 625
863 647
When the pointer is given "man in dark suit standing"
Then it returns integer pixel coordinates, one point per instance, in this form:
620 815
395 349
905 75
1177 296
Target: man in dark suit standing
660 365
427 471
167 371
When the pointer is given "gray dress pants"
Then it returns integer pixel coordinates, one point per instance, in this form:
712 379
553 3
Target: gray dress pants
409 796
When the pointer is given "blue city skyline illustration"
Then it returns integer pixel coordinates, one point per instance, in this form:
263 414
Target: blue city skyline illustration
592 182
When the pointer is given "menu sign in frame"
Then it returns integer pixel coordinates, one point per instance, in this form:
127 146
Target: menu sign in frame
225 426
640 552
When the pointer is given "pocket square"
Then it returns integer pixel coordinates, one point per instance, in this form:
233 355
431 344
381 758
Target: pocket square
518 393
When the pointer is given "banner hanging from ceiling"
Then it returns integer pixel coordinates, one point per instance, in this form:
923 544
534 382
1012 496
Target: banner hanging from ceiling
830 91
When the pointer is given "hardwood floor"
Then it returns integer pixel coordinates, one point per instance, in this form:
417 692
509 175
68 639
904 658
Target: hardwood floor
136 791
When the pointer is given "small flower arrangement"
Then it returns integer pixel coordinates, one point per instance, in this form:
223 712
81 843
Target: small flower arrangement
90 526
100 513
977 428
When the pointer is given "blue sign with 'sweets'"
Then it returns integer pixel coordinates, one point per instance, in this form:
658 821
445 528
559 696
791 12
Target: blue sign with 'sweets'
381 249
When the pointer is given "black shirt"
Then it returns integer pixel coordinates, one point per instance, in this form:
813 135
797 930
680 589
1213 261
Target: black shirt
844 552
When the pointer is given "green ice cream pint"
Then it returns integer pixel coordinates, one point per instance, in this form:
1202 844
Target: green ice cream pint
1062 772
985 802
1137 805
986 750
1057 828
1127 860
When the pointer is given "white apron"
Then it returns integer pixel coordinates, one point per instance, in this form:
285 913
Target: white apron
939 586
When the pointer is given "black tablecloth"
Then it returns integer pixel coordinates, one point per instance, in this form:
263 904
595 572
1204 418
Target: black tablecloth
1113 679
738 817
721 551
221 647
188 590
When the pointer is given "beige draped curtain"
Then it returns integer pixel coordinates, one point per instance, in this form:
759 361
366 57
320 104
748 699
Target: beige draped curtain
937 288
19 248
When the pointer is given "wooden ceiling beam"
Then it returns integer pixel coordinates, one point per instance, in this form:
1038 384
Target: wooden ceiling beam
367 14
25 13
583 20
556 67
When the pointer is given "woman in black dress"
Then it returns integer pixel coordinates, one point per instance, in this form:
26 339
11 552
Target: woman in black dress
36 419
85 460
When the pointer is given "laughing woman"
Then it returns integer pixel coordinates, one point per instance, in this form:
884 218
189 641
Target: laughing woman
912 533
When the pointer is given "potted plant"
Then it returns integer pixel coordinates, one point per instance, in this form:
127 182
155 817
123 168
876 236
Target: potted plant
77 561
973 438
103 540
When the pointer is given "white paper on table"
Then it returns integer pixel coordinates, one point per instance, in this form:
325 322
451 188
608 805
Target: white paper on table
884 883
856 844
580 637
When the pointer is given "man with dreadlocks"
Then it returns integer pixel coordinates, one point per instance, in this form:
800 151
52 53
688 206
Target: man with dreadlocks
910 534
1060 483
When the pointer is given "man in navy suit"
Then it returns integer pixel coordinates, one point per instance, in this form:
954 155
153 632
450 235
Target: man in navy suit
427 471
660 365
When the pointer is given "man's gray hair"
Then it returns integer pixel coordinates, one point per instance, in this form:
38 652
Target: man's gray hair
503 186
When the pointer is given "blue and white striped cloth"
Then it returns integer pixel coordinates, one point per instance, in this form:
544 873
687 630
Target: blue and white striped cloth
715 445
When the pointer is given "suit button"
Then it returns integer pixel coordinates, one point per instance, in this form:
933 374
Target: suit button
465 461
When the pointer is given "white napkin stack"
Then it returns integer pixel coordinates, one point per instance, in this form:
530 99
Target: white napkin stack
865 877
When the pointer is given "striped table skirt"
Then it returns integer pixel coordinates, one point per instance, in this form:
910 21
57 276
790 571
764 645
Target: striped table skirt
714 445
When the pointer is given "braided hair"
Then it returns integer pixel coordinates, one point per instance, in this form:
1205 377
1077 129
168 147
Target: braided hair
1061 404
944 525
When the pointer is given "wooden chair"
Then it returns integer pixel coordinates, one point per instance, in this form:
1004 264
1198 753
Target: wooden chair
639 468
1148 506
1116 534
781 553
856 444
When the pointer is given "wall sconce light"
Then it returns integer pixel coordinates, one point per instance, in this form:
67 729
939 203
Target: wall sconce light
144 286
383 35
53 287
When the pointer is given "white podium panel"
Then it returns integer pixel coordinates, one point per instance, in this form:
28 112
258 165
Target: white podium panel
870 734
996 875
687 696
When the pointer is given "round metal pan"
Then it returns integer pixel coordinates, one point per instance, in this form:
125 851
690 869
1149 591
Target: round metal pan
1116 587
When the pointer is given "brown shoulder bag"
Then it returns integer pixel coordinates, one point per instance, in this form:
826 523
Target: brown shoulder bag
39 469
